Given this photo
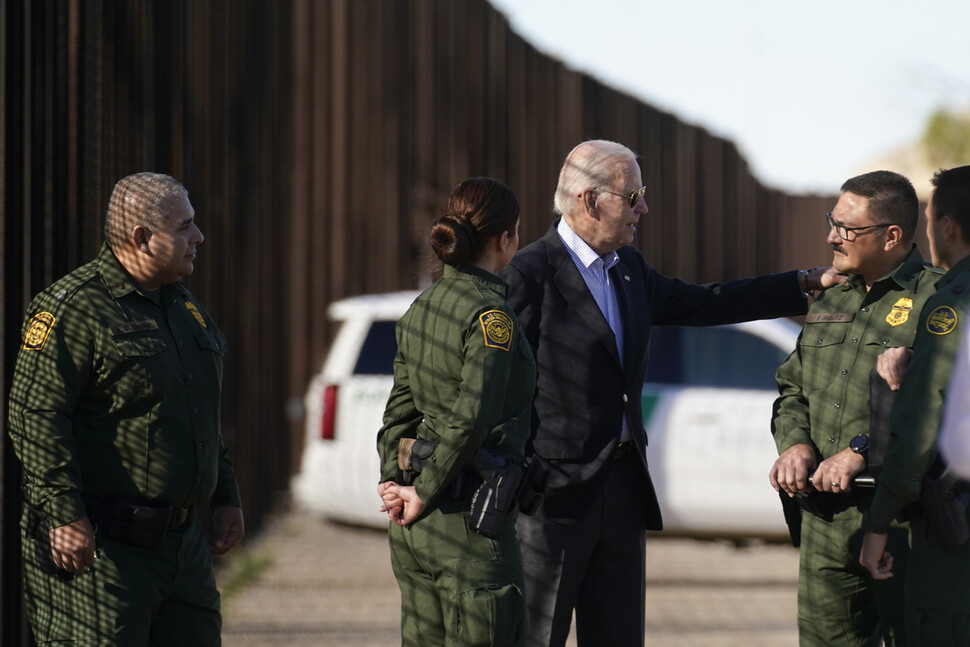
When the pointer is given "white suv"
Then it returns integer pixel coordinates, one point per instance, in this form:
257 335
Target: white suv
706 405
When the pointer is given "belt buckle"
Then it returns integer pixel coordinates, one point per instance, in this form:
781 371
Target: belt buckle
178 518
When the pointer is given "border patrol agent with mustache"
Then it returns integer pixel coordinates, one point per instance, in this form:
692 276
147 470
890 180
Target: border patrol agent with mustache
821 418
114 414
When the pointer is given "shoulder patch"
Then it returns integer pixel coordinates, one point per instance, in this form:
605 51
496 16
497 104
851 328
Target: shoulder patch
38 330
497 328
942 320
900 312
195 313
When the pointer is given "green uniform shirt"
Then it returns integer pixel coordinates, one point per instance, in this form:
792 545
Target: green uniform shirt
916 415
937 577
464 376
824 384
116 394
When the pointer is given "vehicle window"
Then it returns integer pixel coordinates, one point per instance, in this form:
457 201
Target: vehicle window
378 350
718 357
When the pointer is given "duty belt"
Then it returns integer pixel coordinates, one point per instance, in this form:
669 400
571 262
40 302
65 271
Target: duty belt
139 523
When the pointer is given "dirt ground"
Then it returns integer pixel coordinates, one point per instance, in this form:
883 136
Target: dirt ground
316 583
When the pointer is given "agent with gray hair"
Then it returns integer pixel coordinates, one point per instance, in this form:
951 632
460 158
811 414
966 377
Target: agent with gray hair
114 413
586 300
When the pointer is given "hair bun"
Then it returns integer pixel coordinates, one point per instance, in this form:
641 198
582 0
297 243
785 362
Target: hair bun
452 240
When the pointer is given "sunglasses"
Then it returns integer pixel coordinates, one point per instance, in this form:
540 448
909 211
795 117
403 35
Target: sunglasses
631 198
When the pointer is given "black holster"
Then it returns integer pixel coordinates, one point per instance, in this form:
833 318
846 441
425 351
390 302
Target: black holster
495 498
793 517
495 483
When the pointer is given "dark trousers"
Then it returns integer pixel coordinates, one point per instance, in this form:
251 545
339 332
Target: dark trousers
595 566
130 596
937 591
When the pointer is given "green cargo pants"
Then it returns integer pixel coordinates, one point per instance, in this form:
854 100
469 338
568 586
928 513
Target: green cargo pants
129 597
458 587
839 604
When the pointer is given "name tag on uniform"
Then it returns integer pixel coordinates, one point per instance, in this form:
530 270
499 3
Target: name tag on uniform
829 317
133 326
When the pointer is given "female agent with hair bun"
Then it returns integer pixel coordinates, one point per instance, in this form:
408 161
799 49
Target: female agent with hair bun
464 376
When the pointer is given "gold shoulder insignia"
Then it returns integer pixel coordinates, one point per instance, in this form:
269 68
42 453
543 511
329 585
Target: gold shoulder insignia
900 312
195 313
497 327
942 320
39 328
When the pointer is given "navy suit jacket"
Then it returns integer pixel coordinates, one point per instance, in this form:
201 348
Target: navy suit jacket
583 388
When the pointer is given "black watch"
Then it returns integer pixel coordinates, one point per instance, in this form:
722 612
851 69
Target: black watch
860 445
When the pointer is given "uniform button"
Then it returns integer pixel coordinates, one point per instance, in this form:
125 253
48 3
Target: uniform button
625 399
831 440
855 340
865 309
845 371
838 406
195 411
191 377
820 340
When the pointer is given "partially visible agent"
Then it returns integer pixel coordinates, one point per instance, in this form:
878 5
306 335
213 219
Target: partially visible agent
955 430
938 576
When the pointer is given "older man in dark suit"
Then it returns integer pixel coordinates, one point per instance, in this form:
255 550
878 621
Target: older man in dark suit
586 300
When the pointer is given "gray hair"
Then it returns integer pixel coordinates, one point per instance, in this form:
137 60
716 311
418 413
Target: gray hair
591 165
136 200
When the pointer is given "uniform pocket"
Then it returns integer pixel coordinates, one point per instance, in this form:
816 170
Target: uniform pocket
211 352
489 592
492 615
819 341
138 347
134 374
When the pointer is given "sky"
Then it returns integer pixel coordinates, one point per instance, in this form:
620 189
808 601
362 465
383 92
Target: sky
812 93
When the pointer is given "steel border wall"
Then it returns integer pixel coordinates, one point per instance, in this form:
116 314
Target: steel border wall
318 139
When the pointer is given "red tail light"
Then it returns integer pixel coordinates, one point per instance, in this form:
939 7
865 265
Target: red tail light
329 418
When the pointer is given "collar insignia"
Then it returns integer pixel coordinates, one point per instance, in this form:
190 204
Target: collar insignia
195 313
